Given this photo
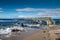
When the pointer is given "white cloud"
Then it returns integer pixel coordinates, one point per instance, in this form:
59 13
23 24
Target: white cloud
50 12
29 9
24 16
25 9
21 16
42 12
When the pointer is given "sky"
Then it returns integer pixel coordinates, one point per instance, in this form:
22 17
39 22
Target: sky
29 8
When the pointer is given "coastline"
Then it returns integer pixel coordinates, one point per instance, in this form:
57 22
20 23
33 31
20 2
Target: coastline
22 35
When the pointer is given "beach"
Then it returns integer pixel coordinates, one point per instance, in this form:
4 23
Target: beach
21 36
34 34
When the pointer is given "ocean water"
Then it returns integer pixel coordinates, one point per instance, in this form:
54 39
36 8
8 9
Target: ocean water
4 23
57 21
9 22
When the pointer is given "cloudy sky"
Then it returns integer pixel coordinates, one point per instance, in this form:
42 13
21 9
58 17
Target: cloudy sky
29 8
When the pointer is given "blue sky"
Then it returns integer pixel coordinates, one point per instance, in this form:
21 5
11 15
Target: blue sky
29 8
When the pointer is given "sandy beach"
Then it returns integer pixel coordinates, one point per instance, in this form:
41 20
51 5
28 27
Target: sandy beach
21 36
38 36
32 34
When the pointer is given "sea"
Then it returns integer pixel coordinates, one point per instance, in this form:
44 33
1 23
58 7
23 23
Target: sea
9 22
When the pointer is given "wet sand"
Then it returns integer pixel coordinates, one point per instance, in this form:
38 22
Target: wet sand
31 34
37 36
21 36
49 34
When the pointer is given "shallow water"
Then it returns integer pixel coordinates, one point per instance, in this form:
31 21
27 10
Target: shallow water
21 35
